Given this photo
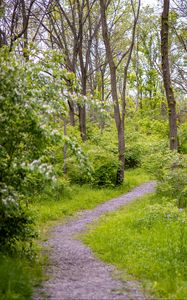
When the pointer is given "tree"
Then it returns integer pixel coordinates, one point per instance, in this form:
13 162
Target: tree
15 22
167 76
119 112
72 28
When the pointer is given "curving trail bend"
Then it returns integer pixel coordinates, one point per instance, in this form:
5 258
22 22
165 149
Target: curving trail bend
75 273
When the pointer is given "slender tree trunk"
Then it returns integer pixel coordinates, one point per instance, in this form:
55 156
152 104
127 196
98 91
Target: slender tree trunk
167 77
25 34
102 91
138 81
71 103
71 112
82 110
83 68
3 40
65 147
121 151
82 121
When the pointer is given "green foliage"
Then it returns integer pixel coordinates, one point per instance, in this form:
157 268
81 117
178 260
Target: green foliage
99 165
59 189
105 169
135 149
79 168
170 169
148 241
16 223
151 126
160 214
102 155
29 98
22 138
132 156
182 135
159 160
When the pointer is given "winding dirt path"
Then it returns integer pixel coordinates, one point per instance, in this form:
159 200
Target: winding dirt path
75 273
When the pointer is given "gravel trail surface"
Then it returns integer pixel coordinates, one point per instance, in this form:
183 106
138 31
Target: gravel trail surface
74 272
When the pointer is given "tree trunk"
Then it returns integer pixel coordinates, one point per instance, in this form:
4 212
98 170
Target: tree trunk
65 147
83 69
82 110
25 34
71 112
167 77
82 121
121 152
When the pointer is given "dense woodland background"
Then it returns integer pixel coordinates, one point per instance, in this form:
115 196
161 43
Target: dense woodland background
92 97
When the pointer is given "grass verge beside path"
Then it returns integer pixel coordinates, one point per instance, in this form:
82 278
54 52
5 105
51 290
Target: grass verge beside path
147 240
18 275
83 197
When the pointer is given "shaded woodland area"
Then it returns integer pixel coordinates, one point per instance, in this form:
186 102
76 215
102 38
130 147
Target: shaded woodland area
92 103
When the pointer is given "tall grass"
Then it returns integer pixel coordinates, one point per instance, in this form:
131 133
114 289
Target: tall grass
17 277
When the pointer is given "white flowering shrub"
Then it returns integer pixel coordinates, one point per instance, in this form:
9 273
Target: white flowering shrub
32 104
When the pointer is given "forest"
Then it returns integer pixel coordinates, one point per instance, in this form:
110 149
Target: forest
93 149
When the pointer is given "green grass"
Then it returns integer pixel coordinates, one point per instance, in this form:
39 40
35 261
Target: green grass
82 197
148 243
17 276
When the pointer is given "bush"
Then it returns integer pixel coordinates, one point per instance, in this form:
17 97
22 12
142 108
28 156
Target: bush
105 170
160 213
27 101
182 133
173 184
77 173
57 190
152 126
16 224
132 156
182 198
137 146
102 170
170 169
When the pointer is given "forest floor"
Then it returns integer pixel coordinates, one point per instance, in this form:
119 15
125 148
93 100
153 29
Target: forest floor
74 272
